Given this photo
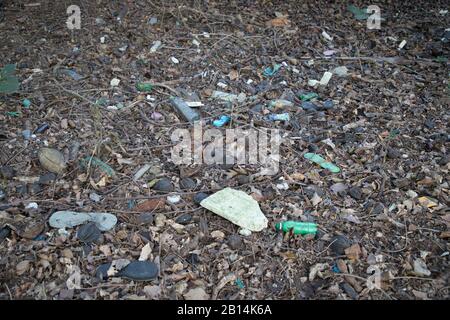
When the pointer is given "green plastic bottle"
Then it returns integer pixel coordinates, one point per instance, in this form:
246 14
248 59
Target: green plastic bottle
298 227
145 87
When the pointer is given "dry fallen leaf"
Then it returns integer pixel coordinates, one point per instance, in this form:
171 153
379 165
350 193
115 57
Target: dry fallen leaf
196 294
22 267
150 205
233 75
353 252
279 22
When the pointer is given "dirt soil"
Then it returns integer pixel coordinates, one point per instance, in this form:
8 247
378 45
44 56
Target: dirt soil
383 220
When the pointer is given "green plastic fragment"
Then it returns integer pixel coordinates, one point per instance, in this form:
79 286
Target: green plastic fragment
322 162
441 59
96 162
394 133
13 113
309 96
144 87
270 71
102 102
8 81
240 284
360 14
297 227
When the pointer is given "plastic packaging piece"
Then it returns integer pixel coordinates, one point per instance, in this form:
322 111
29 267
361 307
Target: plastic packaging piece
271 71
96 162
280 103
73 74
327 36
156 45
8 81
278 117
26 103
43 127
141 172
228 97
52 160
184 110
144 86
237 207
223 120
70 219
325 78
308 96
321 161
297 227
340 71
360 14
328 104
306 105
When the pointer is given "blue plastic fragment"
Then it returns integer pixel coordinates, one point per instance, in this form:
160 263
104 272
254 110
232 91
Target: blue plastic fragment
240 284
335 269
328 104
306 105
40 237
26 103
270 71
278 117
223 120
131 204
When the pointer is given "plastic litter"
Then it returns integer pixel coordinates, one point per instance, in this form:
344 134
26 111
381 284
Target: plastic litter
237 207
340 71
141 172
88 233
70 219
26 103
325 78
308 96
228 97
43 127
156 45
280 103
297 227
72 73
271 71
322 162
360 14
278 117
8 81
306 105
144 86
184 110
96 162
223 120
114 82
52 160
327 36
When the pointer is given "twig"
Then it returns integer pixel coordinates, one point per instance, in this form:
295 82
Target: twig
73 93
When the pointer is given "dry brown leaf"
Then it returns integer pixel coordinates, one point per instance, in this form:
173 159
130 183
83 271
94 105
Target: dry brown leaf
279 22
233 75
150 205
353 252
